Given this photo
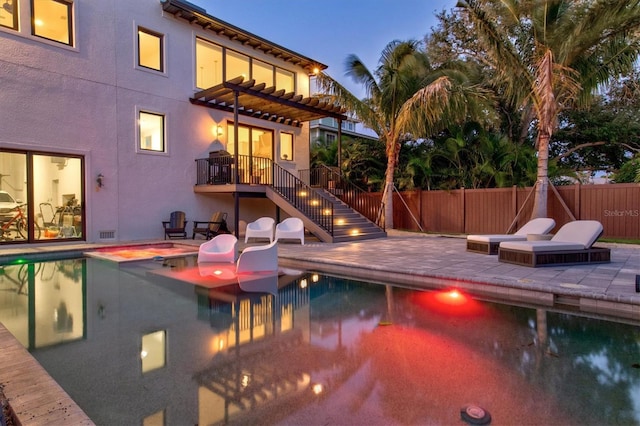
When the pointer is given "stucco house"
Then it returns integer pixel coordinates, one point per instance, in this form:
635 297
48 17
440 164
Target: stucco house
115 114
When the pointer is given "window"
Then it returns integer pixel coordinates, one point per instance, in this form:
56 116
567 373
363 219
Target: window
285 80
9 14
331 138
150 49
151 131
208 64
237 65
153 351
252 141
286 146
262 73
52 19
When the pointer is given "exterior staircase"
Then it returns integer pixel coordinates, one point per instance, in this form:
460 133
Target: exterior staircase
324 209
347 224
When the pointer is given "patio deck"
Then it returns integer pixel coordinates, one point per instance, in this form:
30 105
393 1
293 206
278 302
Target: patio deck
408 259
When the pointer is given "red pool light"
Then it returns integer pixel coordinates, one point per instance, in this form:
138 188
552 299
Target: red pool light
451 297
448 302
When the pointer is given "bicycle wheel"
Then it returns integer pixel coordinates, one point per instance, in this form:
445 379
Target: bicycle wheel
21 227
36 231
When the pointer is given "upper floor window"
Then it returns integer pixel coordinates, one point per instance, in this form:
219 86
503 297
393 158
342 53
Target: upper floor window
9 14
262 72
150 49
285 80
286 146
208 64
52 19
151 131
237 65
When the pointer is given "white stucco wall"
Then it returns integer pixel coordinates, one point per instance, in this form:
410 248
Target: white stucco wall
84 100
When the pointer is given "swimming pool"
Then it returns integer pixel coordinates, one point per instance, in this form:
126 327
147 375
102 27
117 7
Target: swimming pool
162 342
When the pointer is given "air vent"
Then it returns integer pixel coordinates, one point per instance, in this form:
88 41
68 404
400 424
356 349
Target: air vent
107 235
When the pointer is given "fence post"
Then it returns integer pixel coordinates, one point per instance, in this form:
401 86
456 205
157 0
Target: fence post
514 200
577 200
464 211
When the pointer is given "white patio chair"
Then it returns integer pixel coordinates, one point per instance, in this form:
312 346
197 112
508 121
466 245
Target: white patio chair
290 228
258 259
261 228
222 248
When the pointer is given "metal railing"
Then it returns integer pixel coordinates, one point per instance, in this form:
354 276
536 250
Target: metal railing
327 178
257 170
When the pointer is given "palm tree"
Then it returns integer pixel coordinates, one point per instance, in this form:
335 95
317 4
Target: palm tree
549 54
403 95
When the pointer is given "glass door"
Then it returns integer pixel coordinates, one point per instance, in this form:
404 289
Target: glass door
43 197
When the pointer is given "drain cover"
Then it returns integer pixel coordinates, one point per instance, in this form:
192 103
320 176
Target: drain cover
475 415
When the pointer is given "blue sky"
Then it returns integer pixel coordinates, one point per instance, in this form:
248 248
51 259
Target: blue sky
329 30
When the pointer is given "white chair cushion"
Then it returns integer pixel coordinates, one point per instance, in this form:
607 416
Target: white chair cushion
584 232
541 225
496 238
540 246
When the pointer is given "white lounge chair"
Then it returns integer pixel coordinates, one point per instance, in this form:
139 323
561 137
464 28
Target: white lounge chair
260 228
258 259
222 248
290 228
488 244
571 244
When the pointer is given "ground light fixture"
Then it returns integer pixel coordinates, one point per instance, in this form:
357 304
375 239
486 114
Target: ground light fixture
475 415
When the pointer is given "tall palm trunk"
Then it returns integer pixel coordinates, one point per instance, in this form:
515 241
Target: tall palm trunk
542 184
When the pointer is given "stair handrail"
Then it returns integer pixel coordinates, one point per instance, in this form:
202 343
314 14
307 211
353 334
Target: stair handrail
303 197
351 194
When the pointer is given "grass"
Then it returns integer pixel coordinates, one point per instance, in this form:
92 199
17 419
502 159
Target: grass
619 240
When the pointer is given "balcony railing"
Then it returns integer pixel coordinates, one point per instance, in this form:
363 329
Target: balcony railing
220 170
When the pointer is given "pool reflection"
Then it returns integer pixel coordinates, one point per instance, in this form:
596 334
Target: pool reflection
312 349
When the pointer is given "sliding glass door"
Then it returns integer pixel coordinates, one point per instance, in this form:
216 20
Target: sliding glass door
41 197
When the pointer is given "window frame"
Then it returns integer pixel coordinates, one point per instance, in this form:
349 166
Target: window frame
16 17
139 147
70 22
290 142
161 40
221 66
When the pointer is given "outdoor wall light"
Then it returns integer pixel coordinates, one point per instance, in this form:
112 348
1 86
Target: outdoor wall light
100 180
217 130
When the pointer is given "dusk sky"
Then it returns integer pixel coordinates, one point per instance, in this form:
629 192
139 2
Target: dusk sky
329 30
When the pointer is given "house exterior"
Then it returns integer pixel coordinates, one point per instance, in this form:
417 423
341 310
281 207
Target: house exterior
326 129
109 109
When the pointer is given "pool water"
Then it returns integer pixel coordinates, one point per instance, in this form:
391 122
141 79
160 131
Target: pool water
159 342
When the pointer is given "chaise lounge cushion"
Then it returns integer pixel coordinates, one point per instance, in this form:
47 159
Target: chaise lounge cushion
488 243
572 244
576 235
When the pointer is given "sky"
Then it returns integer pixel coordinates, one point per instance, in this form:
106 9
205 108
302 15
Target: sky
330 30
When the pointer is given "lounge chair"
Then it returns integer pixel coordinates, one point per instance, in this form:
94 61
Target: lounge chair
488 244
216 225
175 226
258 259
290 228
571 244
261 228
222 248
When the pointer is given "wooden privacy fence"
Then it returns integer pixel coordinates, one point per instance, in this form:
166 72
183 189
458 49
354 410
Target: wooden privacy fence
489 211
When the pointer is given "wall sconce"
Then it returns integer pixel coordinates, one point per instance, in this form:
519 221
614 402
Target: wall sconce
100 180
217 130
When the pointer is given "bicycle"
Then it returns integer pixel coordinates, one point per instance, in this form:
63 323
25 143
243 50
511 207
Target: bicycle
19 224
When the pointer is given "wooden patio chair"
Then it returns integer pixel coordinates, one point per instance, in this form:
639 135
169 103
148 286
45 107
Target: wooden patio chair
216 225
175 227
